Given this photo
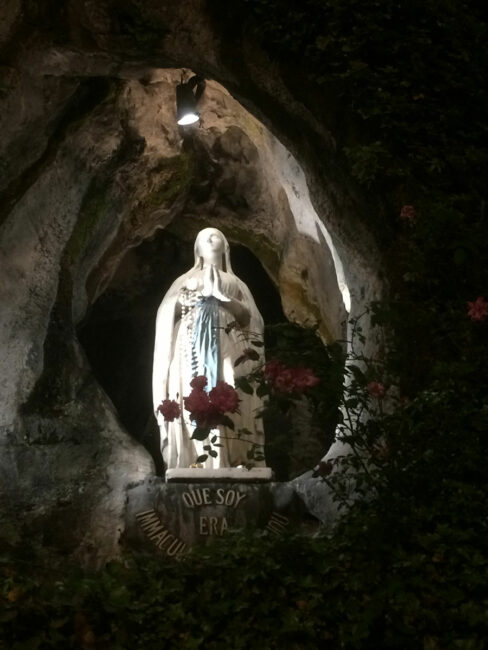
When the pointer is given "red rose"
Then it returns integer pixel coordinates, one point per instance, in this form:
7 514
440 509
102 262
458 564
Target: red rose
169 409
224 397
376 389
197 402
199 382
284 381
211 418
407 213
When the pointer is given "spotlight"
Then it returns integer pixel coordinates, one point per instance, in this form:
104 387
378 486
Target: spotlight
187 97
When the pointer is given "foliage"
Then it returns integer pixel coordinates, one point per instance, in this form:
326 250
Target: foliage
367 586
297 347
399 77
401 87
301 373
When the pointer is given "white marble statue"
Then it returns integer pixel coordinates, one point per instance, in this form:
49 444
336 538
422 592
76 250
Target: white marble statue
193 338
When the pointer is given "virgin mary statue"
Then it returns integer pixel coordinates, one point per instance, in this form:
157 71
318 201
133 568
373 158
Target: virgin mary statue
202 327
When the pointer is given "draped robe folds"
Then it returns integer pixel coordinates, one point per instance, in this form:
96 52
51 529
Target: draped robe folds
188 343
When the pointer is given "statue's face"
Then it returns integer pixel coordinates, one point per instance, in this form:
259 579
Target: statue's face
210 243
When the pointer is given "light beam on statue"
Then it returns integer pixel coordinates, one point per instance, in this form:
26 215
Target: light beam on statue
195 337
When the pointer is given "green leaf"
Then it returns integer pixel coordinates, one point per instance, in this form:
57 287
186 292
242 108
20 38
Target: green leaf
252 354
202 458
240 360
358 374
213 453
243 384
460 256
200 433
233 325
227 422
262 390
245 432
258 344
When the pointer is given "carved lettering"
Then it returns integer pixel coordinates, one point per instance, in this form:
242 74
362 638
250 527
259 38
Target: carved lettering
159 535
146 517
220 497
277 523
151 526
223 526
203 526
144 514
239 498
214 526
205 497
187 500
160 538
177 548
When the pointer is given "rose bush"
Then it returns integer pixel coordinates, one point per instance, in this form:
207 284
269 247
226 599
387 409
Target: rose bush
289 380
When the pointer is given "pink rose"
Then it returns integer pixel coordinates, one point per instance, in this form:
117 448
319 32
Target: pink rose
284 381
169 409
224 397
376 389
199 382
289 380
272 369
408 213
304 378
382 451
478 310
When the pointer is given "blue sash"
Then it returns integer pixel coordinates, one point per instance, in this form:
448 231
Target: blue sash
205 345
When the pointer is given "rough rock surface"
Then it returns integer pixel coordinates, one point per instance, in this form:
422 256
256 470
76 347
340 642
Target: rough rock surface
92 165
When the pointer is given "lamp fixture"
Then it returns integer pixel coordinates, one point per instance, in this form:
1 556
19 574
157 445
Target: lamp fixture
188 95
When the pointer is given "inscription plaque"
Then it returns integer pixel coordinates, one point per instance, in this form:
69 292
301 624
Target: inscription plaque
172 517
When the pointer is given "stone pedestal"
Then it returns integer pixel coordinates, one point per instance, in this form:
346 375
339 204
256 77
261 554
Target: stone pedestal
172 517
224 475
